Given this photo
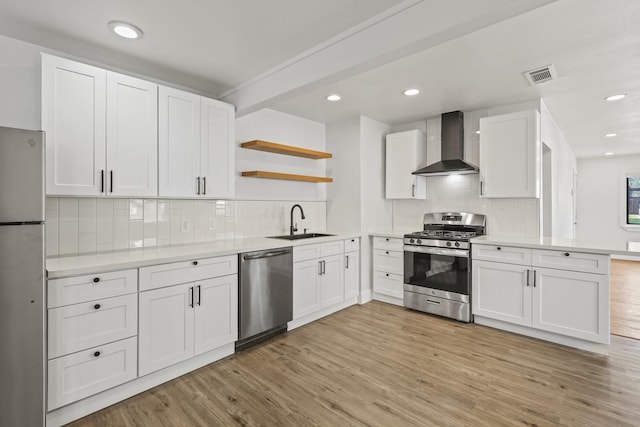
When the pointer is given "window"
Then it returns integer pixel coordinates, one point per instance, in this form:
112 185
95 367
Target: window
633 200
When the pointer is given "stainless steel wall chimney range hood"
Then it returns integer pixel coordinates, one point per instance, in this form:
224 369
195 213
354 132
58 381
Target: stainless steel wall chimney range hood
452 149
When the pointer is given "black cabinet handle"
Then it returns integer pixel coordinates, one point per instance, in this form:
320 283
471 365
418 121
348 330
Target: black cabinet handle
567 254
96 279
195 263
387 274
198 190
102 181
111 181
97 306
481 192
199 294
204 185
499 248
192 297
96 354
386 240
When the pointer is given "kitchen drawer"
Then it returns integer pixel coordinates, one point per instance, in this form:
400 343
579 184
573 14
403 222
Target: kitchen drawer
388 243
574 261
77 327
497 253
88 372
388 261
332 248
388 284
162 275
72 290
306 252
352 245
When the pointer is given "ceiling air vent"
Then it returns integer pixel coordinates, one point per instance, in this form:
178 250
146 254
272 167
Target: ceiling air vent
541 75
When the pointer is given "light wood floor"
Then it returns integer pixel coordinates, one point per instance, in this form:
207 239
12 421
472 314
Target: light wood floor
625 298
382 365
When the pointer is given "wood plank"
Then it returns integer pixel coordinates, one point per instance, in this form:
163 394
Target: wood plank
625 298
286 176
379 364
288 150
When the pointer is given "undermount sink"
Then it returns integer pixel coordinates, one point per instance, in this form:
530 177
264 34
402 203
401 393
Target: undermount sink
300 236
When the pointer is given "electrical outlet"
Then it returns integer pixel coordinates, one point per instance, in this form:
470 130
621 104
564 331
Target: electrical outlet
186 225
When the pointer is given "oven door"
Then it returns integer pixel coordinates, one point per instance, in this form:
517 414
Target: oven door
444 270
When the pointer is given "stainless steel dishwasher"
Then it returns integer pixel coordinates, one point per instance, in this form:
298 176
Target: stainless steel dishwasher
265 300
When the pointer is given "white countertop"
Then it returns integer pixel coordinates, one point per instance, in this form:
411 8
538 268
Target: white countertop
574 245
73 265
388 233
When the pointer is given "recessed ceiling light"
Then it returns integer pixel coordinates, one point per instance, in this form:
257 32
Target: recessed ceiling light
334 97
616 97
411 92
125 30
611 135
608 154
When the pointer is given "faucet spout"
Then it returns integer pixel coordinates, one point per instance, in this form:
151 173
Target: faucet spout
293 226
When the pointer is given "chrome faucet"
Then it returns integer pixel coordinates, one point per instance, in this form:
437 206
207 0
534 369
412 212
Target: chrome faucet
294 227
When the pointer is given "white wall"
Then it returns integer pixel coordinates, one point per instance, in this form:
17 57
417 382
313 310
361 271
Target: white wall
600 198
563 167
356 203
281 128
19 84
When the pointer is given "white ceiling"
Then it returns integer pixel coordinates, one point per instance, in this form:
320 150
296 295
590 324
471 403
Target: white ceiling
217 46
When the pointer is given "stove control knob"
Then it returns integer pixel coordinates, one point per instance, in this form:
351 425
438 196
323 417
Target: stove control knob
411 240
419 241
457 244
448 243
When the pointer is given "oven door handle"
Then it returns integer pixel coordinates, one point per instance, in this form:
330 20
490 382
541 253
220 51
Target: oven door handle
437 251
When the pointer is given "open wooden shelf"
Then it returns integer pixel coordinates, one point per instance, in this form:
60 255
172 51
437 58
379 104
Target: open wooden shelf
288 150
286 176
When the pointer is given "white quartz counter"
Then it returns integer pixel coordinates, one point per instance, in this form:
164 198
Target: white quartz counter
63 266
388 233
573 245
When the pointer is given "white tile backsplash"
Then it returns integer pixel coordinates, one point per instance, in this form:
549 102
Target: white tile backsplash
506 217
88 225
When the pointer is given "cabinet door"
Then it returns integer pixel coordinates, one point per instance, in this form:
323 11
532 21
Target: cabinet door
132 136
388 284
332 280
73 117
217 150
306 290
572 303
352 275
500 291
166 327
510 155
216 313
405 152
178 143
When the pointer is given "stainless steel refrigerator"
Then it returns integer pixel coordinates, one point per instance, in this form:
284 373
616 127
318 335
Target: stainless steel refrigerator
22 278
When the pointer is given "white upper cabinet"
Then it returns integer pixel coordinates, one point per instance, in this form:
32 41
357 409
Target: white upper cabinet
216 148
510 154
101 130
73 117
195 145
132 136
405 152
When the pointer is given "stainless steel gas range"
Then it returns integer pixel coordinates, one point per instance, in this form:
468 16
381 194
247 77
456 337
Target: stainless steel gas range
436 264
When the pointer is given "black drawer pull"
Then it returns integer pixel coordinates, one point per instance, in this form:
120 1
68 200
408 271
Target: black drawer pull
97 306
96 279
195 263
499 248
386 240
386 252
387 274
96 354
567 254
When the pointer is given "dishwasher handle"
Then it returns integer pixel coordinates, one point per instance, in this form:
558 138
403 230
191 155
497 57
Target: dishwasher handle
269 254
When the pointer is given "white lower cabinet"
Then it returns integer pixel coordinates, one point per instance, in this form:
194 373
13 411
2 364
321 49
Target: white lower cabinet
85 373
388 269
351 275
325 279
563 300
181 321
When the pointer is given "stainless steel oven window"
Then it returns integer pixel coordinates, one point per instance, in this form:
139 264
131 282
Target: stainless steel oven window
441 271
